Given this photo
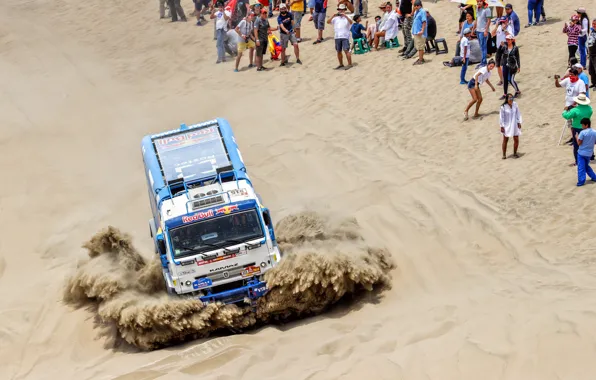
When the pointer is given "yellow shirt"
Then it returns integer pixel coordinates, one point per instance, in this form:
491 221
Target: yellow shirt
298 6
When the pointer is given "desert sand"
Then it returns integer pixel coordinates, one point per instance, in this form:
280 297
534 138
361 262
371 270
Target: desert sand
494 259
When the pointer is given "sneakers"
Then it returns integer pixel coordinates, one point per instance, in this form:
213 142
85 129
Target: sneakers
463 82
298 61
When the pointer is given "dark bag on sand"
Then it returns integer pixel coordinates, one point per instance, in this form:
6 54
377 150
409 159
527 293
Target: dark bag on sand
458 61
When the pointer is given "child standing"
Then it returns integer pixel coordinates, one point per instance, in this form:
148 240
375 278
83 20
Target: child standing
464 48
586 140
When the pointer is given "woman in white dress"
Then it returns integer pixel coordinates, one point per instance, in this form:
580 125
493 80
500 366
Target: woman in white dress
510 120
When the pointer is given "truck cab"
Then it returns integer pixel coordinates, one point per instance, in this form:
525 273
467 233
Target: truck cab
214 237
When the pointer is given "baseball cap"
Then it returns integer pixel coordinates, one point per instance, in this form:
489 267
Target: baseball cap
509 37
341 7
417 3
509 6
283 5
503 19
581 10
264 11
467 30
578 66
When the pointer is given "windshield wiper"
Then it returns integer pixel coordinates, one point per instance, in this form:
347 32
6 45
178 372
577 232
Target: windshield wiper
241 242
216 246
201 253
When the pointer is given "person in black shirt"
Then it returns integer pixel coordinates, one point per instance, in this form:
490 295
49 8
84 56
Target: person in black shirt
405 8
261 32
431 29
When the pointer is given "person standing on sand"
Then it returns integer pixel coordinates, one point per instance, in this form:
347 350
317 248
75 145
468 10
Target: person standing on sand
286 34
298 8
176 10
245 30
572 30
221 18
318 17
419 31
162 9
511 65
464 48
510 120
341 25
585 140
482 25
581 110
592 53
481 76
262 29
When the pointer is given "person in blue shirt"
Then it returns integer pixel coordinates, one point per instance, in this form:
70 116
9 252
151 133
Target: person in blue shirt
513 19
586 140
419 31
356 29
583 77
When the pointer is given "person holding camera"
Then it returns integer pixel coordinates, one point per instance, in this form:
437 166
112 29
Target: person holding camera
573 86
341 25
245 30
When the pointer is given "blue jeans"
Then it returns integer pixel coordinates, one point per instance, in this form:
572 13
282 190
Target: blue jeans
221 36
582 50
483 45
534 7
583 168
464 68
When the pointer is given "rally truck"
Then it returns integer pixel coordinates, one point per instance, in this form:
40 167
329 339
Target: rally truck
214 237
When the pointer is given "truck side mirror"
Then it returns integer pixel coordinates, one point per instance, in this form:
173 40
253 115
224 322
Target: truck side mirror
266 218
161 245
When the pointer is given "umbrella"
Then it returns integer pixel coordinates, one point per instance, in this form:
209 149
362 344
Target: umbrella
491 3
466 2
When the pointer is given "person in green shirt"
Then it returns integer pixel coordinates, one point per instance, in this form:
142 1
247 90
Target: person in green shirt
581 110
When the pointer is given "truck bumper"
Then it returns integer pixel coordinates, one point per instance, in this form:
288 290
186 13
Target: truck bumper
253 290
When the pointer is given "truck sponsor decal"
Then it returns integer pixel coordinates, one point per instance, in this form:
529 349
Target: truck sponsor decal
183 139
186 272
202 283
260 291
223 268
198 216
251 271
239 193
225 210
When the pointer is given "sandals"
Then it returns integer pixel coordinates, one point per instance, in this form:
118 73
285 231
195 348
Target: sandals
419 62
317 42
339 67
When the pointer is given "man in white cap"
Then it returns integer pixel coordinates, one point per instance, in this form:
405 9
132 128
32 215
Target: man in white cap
583 77
341 26
285 20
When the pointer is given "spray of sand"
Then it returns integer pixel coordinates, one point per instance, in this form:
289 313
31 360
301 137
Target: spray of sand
324 261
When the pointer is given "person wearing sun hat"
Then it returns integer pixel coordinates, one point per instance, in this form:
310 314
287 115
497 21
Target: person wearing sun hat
510 62
581 110
341 26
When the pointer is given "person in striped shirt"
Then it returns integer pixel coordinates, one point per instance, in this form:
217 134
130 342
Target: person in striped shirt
573 31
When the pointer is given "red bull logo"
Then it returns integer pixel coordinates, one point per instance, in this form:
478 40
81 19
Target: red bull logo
198 216
225 210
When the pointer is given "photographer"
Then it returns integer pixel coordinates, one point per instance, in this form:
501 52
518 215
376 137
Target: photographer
573 86
341 26
245 30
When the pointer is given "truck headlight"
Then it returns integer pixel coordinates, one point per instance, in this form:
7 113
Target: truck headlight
263 264
187 283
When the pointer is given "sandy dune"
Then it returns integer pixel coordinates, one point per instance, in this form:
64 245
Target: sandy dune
495 258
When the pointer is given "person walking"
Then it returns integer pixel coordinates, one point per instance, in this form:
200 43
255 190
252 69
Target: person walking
464 48
581 110
176 10
481 76
482 24
585 140
341 26
511 65
510 120
592 54
419 31
584 23
573 31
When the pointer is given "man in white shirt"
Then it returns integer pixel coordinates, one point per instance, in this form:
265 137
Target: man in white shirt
222 18
464 48
573 86
341 26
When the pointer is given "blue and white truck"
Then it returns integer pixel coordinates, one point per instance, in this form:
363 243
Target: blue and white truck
213 235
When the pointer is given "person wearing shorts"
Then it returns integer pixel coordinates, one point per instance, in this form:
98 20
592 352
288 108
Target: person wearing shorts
318 17
261 35
297 7
341 25
286 34
245 30
419 31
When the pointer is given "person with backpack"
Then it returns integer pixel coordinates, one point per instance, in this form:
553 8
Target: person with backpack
509 54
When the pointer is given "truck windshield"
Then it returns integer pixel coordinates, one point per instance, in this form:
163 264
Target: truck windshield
217 232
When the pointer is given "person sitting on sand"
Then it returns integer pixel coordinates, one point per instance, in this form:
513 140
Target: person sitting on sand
585 140
341 26
481 76
510 121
